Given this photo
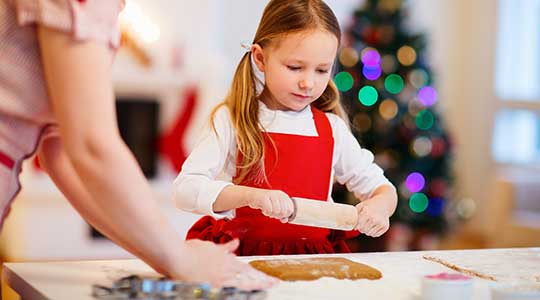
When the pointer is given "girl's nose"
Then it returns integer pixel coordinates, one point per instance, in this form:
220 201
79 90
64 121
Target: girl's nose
306 84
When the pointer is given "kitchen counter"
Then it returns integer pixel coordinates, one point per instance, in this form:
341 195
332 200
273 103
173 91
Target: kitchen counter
402 274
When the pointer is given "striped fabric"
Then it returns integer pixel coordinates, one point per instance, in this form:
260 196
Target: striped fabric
24 106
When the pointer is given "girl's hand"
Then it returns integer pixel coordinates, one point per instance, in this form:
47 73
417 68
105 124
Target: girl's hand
373 219
273 203
217 265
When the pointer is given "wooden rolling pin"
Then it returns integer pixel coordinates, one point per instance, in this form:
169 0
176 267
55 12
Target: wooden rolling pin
323 214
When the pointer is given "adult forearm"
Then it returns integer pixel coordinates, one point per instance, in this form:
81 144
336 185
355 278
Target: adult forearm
126 205
56 163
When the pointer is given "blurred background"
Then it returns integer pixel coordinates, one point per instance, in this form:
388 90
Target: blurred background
446 93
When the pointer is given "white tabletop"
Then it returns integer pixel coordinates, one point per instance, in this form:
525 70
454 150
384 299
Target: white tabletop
402 273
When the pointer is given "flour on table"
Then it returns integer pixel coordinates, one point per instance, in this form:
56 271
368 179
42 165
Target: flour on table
505 265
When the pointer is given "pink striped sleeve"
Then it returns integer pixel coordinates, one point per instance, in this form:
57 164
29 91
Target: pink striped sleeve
85 19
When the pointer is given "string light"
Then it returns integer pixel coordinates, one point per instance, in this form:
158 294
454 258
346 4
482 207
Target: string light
418 202
427 96
418 78
421 146
393 83
406 55
344 81
424 119
368 95
435 207
371 72
348 57
388 109
371 57
466 208
415 182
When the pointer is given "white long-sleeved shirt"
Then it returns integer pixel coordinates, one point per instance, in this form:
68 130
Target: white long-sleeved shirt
212 164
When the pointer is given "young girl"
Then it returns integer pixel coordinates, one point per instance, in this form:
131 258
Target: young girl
57 100
281 133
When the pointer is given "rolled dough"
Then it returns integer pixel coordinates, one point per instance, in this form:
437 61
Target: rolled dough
315 268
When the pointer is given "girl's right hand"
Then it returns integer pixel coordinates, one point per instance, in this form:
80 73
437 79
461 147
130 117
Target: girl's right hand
217 265
273 203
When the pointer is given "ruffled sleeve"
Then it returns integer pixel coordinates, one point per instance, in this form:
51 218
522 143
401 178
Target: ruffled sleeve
85 19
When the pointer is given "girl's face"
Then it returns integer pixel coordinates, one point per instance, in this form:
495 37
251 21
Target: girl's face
297 69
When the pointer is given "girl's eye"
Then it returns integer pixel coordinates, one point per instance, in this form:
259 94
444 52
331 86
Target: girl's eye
294 68
323 71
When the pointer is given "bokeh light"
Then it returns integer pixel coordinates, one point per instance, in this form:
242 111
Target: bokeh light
466 208
421 146
388 109
348 57
439 147
388 63
362 122
406 55
415 182
424 119
372 72
344 81
435 207
427 96
371 57
418 202
393 83
368 95
418 78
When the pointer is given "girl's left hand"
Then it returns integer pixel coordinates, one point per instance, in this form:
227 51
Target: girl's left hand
372 218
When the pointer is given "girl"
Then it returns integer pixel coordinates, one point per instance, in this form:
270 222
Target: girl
56 99
281 133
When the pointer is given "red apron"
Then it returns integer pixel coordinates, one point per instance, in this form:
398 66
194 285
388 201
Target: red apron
302 168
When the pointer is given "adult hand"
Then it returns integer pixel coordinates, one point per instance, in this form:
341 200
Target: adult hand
217 265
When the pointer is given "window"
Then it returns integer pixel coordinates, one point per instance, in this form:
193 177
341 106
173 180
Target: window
516 131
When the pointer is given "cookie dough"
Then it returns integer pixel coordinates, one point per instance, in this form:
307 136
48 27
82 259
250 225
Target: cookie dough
315 268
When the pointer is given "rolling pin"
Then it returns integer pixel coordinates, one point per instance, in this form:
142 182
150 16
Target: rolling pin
323 214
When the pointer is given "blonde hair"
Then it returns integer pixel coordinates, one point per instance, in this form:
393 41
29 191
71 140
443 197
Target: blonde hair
280 17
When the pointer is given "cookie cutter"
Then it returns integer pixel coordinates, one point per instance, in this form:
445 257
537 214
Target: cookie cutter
146 288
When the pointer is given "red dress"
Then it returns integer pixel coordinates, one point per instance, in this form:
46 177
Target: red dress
301 168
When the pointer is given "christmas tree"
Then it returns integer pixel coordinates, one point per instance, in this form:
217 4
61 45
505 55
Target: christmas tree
388 90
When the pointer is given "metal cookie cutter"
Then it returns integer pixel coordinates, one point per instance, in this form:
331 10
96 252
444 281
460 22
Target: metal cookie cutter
145 288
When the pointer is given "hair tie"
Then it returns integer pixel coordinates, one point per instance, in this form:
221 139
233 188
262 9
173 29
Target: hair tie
246 46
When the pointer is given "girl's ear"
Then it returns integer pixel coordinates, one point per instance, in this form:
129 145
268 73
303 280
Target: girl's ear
258 56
